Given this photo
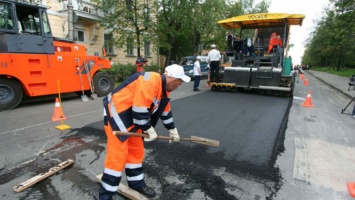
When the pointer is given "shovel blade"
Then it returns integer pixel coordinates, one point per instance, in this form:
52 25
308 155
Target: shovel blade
94 96
201 140
84 98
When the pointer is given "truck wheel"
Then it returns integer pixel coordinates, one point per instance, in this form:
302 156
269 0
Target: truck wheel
103 83
10 94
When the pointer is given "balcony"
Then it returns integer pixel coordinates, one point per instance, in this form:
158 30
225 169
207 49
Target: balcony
84 10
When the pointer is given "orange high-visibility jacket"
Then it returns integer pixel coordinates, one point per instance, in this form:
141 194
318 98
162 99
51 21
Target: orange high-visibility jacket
274 41
138 103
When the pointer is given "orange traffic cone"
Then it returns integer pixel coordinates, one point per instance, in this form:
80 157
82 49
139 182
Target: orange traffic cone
351 188
58 112
302 77
308 101
305 82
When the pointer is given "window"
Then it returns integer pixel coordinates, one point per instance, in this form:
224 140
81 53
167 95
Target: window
45 23
130 8
129 5
30 22
130 46
146 14
79 35
109 43
6 16
147 52
204 61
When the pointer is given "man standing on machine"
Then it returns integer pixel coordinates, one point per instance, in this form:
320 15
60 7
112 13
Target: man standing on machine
214 60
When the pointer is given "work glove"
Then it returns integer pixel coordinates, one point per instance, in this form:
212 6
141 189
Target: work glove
175 135
152 134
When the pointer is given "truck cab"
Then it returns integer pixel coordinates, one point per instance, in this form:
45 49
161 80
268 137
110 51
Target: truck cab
34 63
24 29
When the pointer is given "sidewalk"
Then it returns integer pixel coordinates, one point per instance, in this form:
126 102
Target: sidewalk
337 82
319 160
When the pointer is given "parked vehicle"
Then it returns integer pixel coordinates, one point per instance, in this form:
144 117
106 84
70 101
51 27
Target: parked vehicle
34 63
188 65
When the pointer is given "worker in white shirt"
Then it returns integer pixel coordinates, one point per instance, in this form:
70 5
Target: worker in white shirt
197 73
214 60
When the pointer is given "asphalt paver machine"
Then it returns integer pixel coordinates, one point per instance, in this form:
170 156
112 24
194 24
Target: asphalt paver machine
259 69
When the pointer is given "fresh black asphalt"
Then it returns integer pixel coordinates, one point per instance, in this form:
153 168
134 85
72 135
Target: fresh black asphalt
249 127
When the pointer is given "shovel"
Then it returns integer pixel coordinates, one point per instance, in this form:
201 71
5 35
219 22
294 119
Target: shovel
195 139
88 73
83 97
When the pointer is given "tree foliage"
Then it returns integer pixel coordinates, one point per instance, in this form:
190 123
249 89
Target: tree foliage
131 22
331 44
178 28
186 27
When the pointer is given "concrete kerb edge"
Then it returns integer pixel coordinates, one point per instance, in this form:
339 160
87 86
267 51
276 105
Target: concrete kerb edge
332 86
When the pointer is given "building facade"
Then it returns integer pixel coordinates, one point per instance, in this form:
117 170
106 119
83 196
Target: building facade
86 30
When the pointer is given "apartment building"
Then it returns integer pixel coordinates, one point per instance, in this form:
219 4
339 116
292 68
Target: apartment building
87 31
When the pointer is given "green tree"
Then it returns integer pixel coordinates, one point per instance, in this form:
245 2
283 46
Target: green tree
187 26
131 22
331 44
178 28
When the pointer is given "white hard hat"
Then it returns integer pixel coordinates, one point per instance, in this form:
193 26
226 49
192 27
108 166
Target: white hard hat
213 46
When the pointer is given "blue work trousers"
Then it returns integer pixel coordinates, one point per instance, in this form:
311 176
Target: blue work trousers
197 81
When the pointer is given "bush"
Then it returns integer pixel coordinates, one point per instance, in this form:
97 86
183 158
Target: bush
122 71
152 67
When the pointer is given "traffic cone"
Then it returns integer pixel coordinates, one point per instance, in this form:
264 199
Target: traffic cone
308 101
58 112
351 188
302 77
305 82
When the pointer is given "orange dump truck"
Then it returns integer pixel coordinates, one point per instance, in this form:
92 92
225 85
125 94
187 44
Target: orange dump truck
33 62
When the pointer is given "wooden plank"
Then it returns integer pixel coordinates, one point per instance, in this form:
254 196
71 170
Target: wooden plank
126 191
24 185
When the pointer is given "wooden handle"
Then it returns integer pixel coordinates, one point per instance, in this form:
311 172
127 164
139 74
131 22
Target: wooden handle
146 135
130 134
195 139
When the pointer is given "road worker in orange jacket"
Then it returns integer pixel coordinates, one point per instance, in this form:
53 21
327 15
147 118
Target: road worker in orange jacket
136 106
275 41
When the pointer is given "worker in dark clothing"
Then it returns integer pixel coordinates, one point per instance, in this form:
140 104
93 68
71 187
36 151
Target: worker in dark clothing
238 44
248 48
229 38
238 47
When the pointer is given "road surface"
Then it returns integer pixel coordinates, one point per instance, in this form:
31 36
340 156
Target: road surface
250 128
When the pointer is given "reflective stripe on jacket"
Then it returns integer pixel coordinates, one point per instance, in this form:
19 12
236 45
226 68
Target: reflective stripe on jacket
131 105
